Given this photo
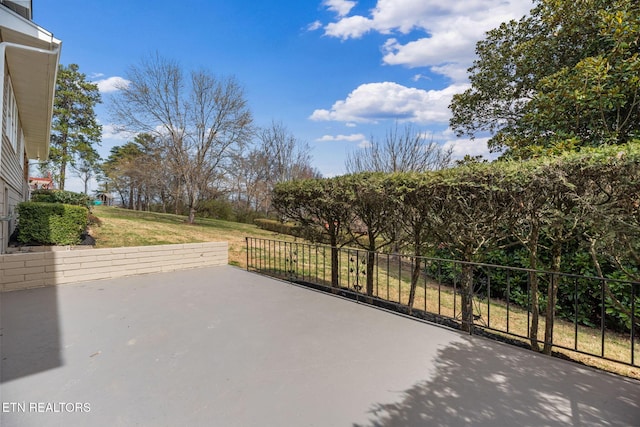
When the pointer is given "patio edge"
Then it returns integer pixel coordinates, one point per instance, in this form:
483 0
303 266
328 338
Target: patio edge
39 269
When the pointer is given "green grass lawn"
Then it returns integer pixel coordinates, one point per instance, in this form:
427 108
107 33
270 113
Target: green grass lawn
124 227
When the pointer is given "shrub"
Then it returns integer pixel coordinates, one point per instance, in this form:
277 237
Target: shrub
60 196
313 234
246 215
51 223
277 226
216 208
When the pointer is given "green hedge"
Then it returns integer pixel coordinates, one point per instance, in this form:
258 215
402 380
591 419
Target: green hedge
51 223
313 234
60 196
559 213
277 226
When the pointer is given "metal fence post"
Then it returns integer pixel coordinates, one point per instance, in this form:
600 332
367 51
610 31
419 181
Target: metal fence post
247 245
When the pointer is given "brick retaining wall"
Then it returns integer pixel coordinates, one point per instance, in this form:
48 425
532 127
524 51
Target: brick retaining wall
58 267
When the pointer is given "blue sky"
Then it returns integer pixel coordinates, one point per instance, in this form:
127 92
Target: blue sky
335 72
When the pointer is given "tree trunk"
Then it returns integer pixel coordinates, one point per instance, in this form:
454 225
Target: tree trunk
371 262
63 171
371 259
163 197
177 196
533 286
605 283
333 241
467 297
415 277
335 276
122 194
192 214
552 294
131 206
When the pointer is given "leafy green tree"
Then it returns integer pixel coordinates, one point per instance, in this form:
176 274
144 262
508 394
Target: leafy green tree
374 211
565 76
610 191
136 171
528 191
562 215
318 206
411 193
468 210
118 169
75 128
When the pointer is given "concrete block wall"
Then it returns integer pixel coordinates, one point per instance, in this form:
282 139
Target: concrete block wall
59 267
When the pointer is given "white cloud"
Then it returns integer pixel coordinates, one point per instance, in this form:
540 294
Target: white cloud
354 137
372 102
472 147
430 34
350 27
340 7
432 16
314 26
449 30
112 84
449 46
419 77
455 71
111 131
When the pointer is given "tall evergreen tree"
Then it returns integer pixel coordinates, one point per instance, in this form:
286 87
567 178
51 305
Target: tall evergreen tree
75 128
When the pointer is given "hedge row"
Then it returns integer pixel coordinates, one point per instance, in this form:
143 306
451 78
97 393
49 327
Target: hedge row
51 223
578 212
277 226
60 196
312 233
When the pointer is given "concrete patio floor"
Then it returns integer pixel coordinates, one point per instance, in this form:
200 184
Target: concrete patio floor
222 347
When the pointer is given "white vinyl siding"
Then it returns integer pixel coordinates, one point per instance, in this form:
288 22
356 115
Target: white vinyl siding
21 149
11 121
12 161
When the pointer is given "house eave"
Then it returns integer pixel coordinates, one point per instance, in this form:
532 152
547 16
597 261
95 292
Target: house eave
32 55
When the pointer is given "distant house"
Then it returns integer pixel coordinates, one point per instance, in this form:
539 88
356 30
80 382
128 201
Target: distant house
105 199
29 58
41 183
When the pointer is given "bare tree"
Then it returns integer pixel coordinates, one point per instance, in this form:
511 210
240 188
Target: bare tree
278 156
246 180
86 166
405 150
287 157
201 120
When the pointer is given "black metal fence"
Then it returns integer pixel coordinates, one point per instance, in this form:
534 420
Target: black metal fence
595 317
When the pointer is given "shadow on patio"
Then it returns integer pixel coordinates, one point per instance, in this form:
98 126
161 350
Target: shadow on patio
29 332
479 382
